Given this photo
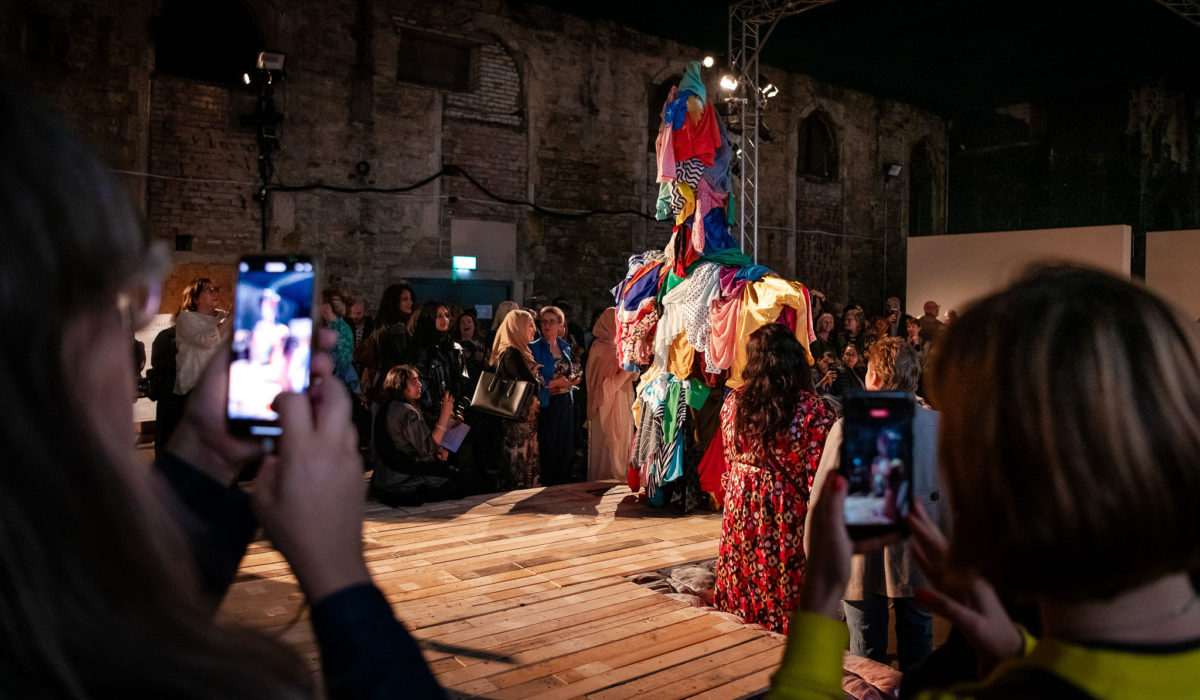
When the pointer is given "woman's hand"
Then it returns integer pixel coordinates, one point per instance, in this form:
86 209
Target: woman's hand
309 497
828 560
970 603
203 438
558 384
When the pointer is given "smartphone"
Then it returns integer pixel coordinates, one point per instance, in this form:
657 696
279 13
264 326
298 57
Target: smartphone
876 461
272 339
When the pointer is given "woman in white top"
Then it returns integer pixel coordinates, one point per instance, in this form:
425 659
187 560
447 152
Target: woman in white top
200 328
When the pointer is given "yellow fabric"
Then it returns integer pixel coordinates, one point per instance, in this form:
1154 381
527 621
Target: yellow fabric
762 302
812 667
680 357
689 204
812 660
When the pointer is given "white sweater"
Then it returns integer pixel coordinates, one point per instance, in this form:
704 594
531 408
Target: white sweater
198 337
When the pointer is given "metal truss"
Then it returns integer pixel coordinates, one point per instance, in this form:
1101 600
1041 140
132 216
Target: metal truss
1187 9
751 23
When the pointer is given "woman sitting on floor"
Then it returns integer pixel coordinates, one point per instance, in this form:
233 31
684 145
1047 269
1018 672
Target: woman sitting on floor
1073 484
411 464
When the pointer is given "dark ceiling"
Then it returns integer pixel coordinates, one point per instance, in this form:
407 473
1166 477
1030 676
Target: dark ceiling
952 56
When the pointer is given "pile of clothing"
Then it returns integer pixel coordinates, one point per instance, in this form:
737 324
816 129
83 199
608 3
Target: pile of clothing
685 313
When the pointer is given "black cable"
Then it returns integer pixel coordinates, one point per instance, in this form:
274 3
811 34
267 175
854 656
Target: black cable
453 170
543 210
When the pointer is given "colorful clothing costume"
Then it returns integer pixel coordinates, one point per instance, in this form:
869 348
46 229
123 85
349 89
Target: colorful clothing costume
760 565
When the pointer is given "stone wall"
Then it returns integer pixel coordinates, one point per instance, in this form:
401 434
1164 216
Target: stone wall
555 114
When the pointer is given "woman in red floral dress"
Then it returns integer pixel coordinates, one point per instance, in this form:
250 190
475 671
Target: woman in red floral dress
774 429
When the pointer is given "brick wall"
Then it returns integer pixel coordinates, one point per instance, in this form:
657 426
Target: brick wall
556 113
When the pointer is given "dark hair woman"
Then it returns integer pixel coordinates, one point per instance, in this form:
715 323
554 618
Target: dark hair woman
439 360
774 429
388 343
110 571
410 467
1072 469
467 333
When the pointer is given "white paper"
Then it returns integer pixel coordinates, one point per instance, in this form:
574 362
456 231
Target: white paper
453 437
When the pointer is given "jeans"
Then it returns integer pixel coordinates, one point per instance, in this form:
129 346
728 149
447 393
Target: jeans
868 623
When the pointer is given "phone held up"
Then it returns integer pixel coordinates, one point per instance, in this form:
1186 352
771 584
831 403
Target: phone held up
272 339
877 461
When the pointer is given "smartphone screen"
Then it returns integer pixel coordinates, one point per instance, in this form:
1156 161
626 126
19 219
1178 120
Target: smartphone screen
272 338
876 461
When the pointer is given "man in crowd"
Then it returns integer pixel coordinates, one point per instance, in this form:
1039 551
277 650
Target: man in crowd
892 365
931 327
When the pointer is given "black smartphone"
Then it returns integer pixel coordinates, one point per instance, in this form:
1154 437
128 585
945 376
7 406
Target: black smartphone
272 339
876 461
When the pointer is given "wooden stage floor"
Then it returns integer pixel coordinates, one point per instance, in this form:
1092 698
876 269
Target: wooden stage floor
523 594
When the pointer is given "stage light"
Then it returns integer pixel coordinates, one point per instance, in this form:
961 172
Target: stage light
770 90
729 82
709 61
894 169
246 78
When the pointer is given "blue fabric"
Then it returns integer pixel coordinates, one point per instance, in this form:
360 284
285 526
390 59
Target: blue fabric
542 355
716 232
719 176
639 291
691 81
676 109
752 273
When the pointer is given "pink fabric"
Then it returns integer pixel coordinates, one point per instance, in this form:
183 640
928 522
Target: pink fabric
707 199
722 346
664 145
787 318
609 397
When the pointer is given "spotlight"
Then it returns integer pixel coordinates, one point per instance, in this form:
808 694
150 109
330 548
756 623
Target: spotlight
894 169
709 61
729 82
770 90
246 78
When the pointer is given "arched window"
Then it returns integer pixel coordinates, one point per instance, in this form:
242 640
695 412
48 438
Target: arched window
214 41
920 192
818 152
657 95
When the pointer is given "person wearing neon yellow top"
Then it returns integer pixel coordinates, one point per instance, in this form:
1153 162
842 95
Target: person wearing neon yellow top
1079 498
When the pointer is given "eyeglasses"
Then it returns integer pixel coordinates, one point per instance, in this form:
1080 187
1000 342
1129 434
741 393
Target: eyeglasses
138 302
211 289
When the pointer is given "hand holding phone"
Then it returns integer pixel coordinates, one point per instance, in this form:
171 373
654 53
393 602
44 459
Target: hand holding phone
876 462
272 339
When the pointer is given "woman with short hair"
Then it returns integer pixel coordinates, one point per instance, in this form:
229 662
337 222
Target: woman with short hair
200 328
1073 468
411 464
560 375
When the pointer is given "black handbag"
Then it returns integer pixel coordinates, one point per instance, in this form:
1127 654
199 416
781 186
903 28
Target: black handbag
507 398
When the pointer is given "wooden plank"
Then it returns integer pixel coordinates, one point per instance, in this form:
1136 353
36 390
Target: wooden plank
525 594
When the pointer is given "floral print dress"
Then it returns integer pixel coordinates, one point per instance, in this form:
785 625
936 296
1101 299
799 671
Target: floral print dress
760 565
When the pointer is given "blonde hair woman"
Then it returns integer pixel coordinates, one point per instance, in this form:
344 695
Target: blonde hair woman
512 359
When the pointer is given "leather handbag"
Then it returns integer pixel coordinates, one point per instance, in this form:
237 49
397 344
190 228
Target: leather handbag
507 398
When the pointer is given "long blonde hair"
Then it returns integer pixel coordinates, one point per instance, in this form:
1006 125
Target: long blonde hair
512 335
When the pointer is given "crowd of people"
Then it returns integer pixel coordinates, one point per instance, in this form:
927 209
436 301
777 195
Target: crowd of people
1069 471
